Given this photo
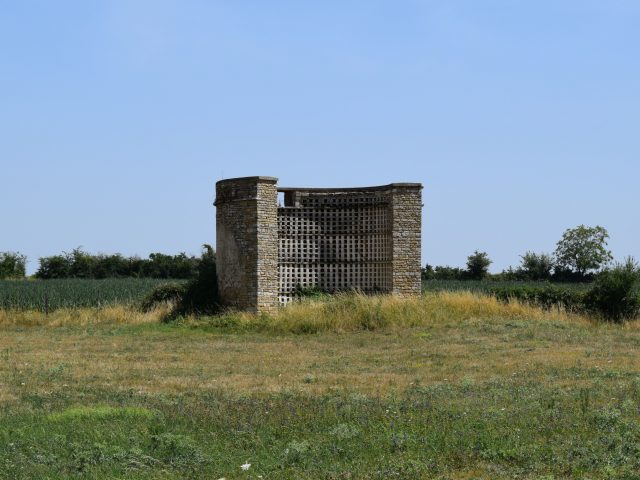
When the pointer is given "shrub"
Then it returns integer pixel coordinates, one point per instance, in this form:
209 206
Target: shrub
536 266
443 272
12 265
566 275
427 273
508 275
163 294
160 265
199 295
80 264
478 265
615 294
56 266
546 296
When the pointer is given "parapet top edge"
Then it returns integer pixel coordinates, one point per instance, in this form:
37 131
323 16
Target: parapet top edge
350 189
259 178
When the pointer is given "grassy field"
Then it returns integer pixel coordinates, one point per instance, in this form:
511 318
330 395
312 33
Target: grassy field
448 386
74 292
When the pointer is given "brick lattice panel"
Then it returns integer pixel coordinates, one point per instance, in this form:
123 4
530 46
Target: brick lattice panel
334 242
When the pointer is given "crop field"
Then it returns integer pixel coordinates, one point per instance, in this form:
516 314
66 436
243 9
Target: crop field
74 292
447 386
87 293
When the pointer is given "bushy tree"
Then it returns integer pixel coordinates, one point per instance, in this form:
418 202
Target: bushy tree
55 266
510 274
536 266
615 294
443 272
478 265
199 295
12 265
74 264
427 273
115 266
80 264
583 249
171 266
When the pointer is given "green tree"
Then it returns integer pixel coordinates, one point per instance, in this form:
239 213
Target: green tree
81 263
201 293
536 266
12 265
427 272
55 266
615 294
583 249
478 265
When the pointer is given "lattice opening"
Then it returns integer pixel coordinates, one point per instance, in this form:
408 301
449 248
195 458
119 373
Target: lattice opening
334 242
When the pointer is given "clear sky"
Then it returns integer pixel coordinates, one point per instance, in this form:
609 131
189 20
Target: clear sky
521 118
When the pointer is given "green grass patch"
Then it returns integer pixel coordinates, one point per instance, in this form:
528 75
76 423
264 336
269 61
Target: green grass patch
100 413
501 428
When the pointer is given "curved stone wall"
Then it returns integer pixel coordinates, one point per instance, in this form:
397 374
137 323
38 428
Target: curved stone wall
332 239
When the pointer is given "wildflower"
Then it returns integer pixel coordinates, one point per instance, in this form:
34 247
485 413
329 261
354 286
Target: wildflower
245 466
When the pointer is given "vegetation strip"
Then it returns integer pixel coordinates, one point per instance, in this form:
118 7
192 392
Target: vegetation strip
74 292
449 386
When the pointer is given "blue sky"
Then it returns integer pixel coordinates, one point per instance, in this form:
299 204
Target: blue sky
519 117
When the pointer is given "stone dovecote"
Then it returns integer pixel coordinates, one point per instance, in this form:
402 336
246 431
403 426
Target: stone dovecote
334 239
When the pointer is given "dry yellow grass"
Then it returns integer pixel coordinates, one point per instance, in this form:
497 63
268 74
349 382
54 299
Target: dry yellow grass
109 315
450 337
341 313
355 312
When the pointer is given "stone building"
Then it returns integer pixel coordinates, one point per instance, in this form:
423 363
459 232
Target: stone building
333 239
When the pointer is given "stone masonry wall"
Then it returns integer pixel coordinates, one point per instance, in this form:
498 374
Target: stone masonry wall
406 234
247 242
267 233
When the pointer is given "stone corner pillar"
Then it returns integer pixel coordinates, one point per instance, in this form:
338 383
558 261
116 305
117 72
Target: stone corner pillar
406 237
247 243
